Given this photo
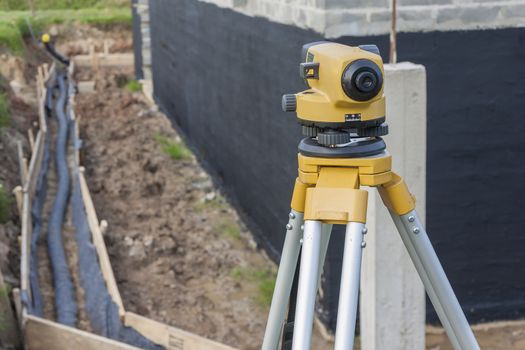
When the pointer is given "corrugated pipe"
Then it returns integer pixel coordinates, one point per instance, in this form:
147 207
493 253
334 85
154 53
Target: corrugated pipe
66 307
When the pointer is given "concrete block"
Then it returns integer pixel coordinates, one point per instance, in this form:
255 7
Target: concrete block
356 4
392 295
514 11
423 2
467 15
340 22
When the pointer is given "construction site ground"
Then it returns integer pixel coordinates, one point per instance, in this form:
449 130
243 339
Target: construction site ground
179 251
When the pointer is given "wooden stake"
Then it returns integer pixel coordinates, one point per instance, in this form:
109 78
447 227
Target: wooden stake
22 164
393 34
31 138
17 192
103 227
106 47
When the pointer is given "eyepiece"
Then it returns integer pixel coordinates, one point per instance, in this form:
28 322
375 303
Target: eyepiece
362 80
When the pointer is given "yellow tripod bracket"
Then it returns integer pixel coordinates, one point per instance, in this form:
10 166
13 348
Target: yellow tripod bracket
328 189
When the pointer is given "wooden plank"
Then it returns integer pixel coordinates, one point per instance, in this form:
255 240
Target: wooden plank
100 246
170 337
49 72
42 112
34 166
25 244
42 334
18 306
111 60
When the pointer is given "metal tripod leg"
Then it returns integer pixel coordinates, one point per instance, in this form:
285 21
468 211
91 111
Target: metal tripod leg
435 281
349 290
326 232
307 290
283 283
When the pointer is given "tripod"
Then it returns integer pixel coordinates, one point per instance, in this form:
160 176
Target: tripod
328 191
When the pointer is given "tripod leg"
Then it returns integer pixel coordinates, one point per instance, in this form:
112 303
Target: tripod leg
325 240
283 283
436 283
307 291
349 291
288 328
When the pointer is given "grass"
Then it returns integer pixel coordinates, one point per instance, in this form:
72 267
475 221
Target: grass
133 86
229 229
176 150
11 5
217 203
14 28
263 278
5 118
4 205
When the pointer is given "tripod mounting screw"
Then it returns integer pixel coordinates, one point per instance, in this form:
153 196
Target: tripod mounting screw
289 103
416 230
289 227
411 218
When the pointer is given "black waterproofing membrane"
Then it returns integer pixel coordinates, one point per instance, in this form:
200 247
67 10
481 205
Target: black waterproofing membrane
102 311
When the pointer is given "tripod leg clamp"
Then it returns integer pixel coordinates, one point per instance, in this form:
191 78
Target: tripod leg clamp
396 196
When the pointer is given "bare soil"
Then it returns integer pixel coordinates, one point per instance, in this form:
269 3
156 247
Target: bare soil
179 252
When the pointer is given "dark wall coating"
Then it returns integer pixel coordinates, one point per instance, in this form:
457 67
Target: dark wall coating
220 75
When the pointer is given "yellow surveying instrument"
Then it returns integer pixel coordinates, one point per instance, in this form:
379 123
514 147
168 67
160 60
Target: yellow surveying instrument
343 116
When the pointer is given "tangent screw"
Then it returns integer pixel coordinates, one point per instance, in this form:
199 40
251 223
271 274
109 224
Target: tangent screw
365 230
289 227
363 244
416 230
411 218
291 216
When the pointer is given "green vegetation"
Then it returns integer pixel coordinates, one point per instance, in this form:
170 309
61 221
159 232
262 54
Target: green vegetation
133 86
176 150
230 229
218 203
14 15
5 118
20 5
263 278
4 205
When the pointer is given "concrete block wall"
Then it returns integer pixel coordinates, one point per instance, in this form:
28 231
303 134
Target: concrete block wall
336 18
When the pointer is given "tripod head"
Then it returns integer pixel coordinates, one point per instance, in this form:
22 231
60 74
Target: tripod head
345 98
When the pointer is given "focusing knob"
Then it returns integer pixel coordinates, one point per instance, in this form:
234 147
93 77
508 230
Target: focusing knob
380 130
331 138
289 103
310 131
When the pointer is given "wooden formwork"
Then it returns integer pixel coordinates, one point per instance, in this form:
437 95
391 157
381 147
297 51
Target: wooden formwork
42 334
